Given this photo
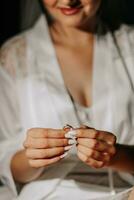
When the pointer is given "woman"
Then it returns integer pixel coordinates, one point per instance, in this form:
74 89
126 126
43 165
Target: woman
75 69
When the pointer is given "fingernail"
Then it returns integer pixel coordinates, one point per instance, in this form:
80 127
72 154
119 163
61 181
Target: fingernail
67 148
71 142
71 134
64 155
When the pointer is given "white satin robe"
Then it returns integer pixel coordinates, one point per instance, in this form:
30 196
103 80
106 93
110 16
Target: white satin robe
33 94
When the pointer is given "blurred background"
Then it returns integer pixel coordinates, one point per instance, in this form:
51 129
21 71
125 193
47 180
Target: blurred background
16 16
19 15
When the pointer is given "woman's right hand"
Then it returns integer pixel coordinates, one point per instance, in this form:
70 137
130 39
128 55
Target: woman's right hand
45 146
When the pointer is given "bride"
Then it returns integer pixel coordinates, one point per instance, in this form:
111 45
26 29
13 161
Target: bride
73 67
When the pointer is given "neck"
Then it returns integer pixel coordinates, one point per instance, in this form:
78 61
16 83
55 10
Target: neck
72 35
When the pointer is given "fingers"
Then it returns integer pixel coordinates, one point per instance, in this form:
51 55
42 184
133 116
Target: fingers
46 133
41 143
89 161
95 148
90 153
46 146
95 134
44 153
43 162
97 145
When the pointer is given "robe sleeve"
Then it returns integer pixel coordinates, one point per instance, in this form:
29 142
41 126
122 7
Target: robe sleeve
11 130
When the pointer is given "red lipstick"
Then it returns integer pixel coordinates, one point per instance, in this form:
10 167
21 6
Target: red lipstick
70 11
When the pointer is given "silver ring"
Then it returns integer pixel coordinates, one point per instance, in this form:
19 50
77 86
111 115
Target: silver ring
67 126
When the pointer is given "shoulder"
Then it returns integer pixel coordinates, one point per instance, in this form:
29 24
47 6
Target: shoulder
124 39
125 29
12 52
126 33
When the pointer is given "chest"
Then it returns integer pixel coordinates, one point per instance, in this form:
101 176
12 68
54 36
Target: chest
43 105
45 101
76 65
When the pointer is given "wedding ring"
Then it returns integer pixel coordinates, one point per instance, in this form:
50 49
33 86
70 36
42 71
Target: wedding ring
68 127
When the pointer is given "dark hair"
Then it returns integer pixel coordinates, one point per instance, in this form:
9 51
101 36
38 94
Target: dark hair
109 15
44 10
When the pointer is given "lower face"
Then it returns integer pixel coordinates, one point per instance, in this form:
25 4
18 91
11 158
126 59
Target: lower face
64 14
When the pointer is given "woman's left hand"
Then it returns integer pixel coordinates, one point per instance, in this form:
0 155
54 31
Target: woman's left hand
95 148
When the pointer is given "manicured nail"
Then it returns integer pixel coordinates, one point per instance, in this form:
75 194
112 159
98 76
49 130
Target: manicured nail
71 142
64 155
67 148
71 134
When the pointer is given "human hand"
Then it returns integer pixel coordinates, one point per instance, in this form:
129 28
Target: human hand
45 146
95 148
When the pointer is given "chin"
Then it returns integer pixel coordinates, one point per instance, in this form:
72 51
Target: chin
70 22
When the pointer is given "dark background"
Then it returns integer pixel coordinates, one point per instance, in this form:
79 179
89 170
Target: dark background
11 17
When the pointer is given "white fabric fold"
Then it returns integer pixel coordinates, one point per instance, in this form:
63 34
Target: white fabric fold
38 98
11 131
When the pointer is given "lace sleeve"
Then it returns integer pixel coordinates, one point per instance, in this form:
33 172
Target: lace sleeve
12 58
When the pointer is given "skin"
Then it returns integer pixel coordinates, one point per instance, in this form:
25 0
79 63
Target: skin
42 147
95 148
88 12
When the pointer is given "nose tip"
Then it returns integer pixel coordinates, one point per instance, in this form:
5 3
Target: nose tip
71 3
74 3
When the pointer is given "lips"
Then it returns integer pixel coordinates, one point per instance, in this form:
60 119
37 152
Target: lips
70 11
